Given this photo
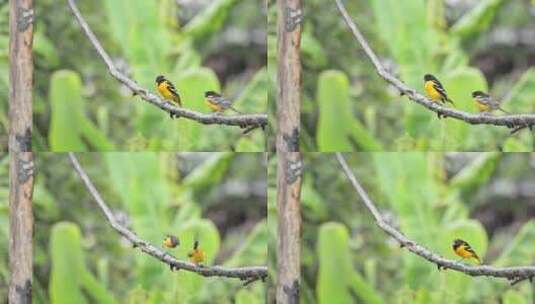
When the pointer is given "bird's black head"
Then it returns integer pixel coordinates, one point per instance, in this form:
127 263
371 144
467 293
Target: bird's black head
159 79
478 94
457 243
211 94
429 77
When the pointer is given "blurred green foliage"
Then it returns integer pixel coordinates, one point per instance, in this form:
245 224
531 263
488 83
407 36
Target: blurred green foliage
207 46
4 224
433 198
4 74
462 43
218 198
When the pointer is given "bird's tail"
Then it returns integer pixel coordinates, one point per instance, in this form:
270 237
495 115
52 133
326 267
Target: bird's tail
477 258
178 100
450 101
233 109
499 108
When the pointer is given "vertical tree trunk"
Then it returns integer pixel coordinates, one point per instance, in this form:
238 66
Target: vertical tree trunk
21 162
21 67
289 175
21 227
289 27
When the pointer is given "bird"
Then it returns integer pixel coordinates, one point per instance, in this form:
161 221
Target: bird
485 103
218 103
435 90
171 241
168 91
196 255
464 250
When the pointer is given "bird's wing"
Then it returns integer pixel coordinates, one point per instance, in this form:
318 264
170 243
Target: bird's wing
438 86
171 88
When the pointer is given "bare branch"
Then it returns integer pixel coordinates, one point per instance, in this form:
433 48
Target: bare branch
513 274
516 121
242 273
243 121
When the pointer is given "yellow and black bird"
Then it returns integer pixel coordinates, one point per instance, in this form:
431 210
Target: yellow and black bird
464 250
435 90
218 103
196 255
168 91
171 241
485 103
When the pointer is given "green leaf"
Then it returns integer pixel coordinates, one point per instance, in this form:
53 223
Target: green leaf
191 84
402 179
334 109
66 112
335 269
246 297
336 280
42 46
210 20
477 20
208 173
69 128
313 54
512 144
520 249
69 278
477 173
514 297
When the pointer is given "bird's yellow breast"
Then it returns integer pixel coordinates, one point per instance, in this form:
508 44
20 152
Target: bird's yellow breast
162 88
196 256
481 106
213 106
461 251
431 91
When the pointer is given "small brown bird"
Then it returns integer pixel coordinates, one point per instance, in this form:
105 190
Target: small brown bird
485 103
464 250
171 241
218 103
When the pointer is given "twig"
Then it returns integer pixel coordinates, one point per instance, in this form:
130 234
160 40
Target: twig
243 273
513 274
235 120
510 121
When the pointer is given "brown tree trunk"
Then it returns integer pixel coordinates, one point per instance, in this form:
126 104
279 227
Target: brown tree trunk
21 162
289 27
21 227
289 176
21 67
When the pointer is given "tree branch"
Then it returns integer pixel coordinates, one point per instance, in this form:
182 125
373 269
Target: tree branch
515 122
243 273
513 274
244 121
